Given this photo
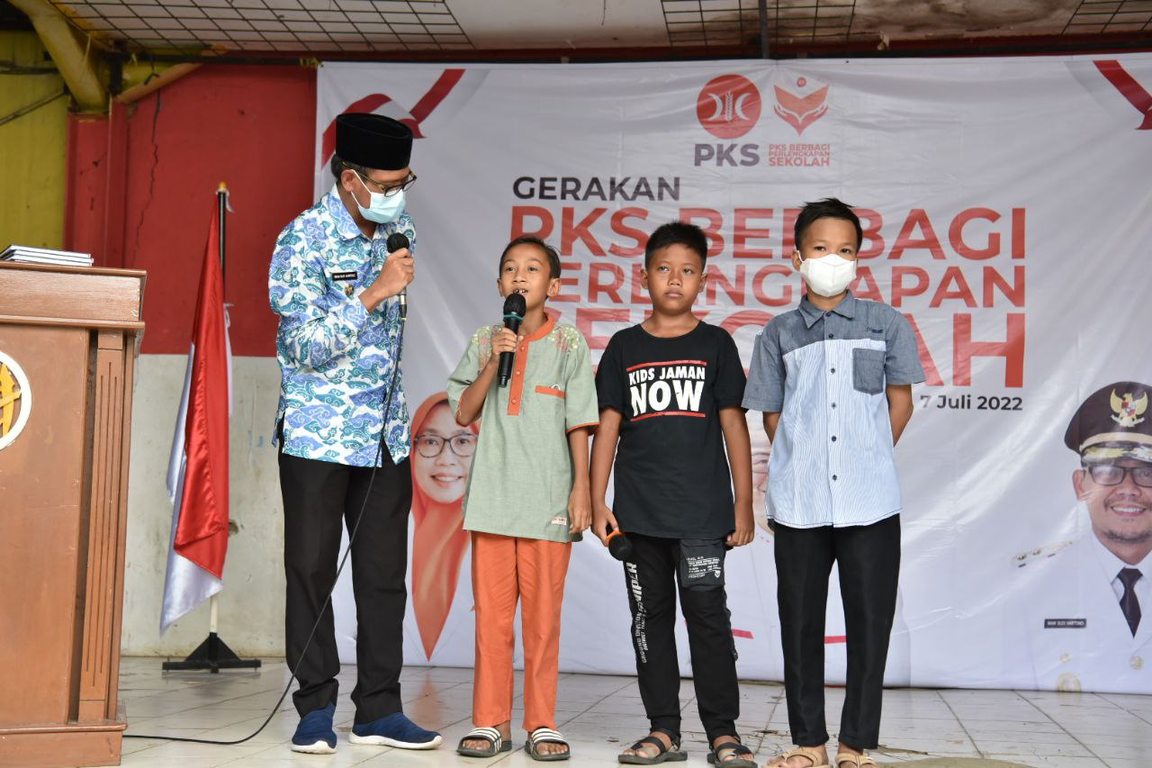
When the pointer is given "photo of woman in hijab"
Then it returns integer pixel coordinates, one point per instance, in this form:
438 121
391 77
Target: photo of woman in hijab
441 457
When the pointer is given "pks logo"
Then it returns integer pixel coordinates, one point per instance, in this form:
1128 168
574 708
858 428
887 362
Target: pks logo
728 106
800 111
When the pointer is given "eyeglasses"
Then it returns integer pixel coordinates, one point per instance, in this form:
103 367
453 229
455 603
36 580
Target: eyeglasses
386 189
431 446
1110 474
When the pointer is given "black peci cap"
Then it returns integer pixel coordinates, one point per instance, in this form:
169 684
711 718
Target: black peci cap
373 141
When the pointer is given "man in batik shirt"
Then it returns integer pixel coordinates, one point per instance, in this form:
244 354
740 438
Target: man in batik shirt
343 431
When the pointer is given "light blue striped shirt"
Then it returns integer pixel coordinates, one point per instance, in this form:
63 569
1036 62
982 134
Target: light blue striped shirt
825 373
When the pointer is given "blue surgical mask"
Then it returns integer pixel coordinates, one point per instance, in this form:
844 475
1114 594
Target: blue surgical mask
383 208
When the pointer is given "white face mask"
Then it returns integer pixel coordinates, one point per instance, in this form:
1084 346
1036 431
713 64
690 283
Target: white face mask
828 275
383 208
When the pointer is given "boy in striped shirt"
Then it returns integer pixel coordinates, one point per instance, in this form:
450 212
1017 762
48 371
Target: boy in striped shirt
834 380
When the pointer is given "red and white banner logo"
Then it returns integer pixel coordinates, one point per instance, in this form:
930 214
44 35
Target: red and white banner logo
802 109
385 105
728 106
1136 94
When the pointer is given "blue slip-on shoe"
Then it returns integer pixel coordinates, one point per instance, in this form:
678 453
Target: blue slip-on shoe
394 730
314 734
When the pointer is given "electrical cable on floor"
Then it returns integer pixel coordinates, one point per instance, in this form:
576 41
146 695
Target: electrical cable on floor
339 570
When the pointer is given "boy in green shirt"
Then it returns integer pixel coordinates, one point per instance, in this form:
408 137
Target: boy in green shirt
527 497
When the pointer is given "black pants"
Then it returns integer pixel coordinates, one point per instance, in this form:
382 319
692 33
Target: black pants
320 497
651 580
869 558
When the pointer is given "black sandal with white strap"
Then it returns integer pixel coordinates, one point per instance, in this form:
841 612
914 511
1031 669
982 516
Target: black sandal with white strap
491 735
741 756
546 736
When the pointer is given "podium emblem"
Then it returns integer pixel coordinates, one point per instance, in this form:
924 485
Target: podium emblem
15 400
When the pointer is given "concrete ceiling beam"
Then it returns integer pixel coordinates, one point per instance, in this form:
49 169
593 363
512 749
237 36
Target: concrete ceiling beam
163 76
71 58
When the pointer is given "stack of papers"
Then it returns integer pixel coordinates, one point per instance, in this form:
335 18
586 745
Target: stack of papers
26 254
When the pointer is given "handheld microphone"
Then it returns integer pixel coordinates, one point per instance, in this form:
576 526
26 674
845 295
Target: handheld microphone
398 241
619 546
514 309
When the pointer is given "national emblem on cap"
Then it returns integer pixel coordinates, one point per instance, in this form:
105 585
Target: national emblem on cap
1128 410
1112 415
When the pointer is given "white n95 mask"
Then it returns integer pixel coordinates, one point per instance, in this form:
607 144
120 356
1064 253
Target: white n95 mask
828 275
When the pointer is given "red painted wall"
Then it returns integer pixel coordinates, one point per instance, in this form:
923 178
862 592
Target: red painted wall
142 184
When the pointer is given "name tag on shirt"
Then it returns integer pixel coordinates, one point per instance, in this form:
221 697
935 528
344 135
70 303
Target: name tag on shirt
1065 623
345 277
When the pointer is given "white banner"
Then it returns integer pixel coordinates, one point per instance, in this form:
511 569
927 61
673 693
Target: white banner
1008 212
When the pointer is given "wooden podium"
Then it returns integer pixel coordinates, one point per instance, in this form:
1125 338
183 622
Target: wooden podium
67 356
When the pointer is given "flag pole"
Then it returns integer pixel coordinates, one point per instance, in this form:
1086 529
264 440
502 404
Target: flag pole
213 653
222 205
222 213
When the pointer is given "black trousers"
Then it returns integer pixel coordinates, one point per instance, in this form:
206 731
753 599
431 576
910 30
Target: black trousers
869 558
651 579
320 497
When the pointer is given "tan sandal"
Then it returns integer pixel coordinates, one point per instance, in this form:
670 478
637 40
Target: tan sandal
858 761
818 756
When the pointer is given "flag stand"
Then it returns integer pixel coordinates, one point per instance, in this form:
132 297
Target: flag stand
213 653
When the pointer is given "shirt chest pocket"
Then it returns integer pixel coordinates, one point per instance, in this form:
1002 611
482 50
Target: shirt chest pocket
547 393
868 371
550 391
548 402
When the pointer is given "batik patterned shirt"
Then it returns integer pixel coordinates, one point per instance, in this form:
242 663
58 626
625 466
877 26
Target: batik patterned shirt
337 359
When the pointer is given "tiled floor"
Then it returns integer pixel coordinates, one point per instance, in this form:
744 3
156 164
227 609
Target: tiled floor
599 714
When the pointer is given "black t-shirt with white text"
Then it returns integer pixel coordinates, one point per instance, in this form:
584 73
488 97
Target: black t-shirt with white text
671 474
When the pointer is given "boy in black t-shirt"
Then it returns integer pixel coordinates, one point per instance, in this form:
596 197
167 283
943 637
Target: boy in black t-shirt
670 391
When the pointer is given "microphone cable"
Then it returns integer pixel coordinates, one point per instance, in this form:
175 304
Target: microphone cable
339 570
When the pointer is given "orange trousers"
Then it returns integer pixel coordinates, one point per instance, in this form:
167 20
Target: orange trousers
506 569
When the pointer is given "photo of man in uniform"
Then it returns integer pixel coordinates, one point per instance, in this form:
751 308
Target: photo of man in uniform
1082 606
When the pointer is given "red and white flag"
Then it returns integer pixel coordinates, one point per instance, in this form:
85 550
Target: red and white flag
198 464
